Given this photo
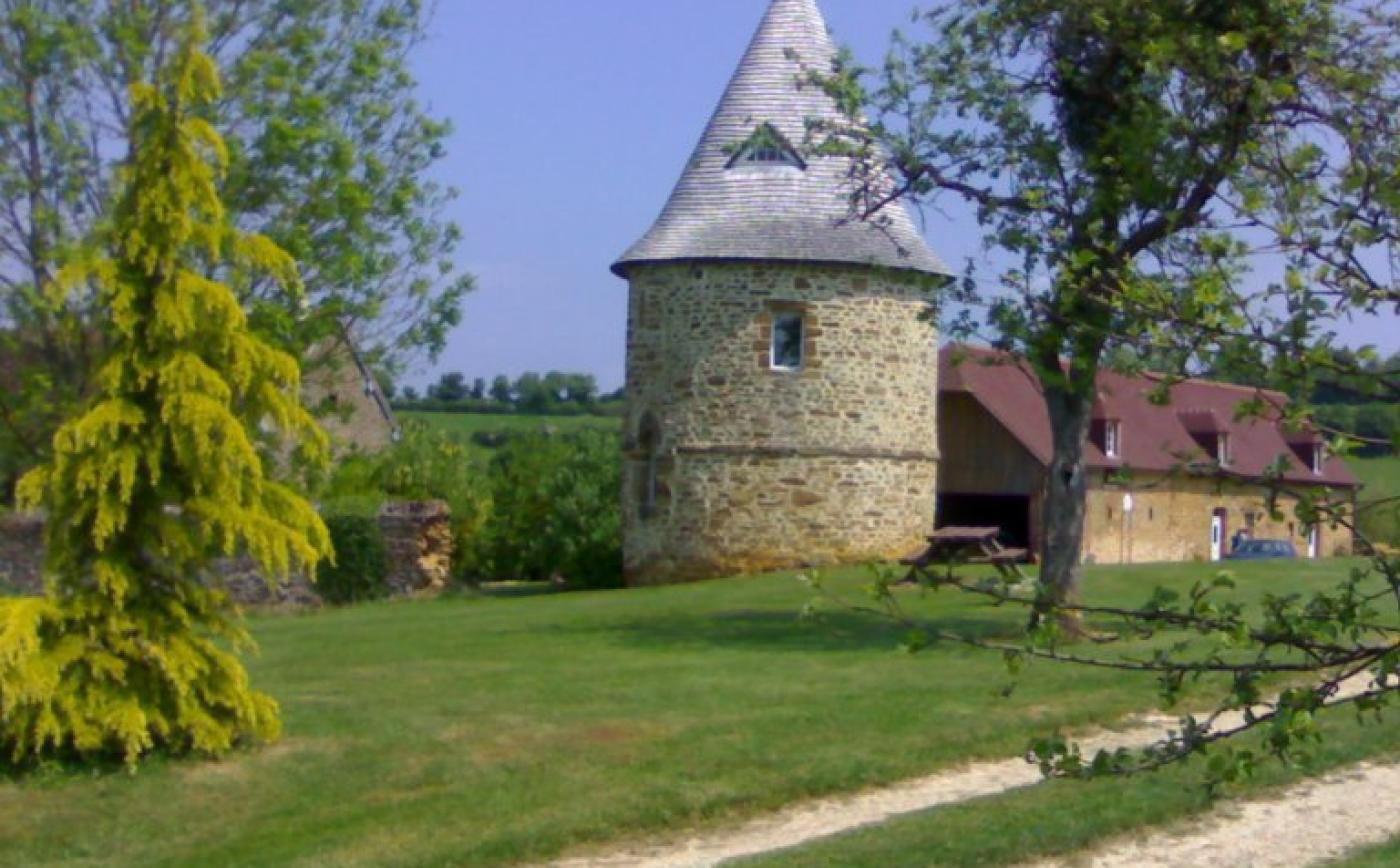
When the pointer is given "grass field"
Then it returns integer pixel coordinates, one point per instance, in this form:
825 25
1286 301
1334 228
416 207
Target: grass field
1381 478
488 731
467 424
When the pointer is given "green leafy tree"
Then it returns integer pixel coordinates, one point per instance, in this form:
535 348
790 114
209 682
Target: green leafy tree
500 389
1131 163
581 389
164 468
329 156
1134 167
449 387
531 394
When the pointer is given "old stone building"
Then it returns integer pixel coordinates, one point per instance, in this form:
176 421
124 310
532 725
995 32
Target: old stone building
341 390
1168 482
781 383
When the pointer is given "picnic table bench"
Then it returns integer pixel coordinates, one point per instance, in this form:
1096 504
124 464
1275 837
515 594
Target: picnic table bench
950 546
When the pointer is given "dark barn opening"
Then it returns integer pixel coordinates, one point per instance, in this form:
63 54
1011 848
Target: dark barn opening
1010 512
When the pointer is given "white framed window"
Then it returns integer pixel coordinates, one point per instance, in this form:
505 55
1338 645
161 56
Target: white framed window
1222 449
1319 458
788 336
1113 438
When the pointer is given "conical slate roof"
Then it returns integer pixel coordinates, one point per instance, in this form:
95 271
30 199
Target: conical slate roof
773 212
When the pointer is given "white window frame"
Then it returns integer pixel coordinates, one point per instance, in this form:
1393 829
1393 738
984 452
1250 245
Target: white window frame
1222 449
1113 438
780 317
1319 458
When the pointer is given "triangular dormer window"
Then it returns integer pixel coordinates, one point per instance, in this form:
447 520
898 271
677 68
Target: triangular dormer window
766 147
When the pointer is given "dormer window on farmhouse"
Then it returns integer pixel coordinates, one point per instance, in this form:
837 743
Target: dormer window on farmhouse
1319 458
788 334
1113 438
766 147
1222 449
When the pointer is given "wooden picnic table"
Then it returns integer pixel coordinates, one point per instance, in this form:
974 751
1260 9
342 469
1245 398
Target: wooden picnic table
955 545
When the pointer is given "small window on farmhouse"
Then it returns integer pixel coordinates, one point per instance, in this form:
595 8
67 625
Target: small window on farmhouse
1319 458
766 147
1113 438
1222 449
787 342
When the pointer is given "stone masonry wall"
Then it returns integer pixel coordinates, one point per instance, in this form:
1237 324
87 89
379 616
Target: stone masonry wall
417 536
1171 521
760 469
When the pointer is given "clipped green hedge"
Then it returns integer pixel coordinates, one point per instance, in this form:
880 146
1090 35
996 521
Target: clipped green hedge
361 561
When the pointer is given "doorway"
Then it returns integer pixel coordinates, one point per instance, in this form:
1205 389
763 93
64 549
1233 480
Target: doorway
1217 534
1010 513
1314 541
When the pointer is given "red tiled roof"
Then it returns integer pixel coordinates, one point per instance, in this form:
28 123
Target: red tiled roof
1154 437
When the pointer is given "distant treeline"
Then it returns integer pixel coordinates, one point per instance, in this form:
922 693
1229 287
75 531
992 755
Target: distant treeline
552 394
1367 422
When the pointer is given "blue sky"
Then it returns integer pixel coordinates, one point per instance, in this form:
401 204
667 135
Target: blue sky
573 119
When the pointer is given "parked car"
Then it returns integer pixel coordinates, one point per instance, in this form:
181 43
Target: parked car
1263 549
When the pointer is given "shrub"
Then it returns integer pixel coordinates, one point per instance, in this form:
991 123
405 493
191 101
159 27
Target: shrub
361 561
555 510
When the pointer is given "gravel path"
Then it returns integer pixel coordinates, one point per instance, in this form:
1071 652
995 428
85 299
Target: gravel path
1311 822
810 821
832 816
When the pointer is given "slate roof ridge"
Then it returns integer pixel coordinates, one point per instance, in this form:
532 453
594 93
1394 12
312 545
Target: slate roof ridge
777 213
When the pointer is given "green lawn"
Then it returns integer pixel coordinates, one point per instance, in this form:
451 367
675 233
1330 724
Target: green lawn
1381 476
487 731
1382 856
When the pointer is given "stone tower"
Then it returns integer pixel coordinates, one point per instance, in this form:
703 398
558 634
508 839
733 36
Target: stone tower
781 385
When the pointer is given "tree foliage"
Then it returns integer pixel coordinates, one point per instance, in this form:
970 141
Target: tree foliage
1185 186
165 466
1178 178
555 512
328 155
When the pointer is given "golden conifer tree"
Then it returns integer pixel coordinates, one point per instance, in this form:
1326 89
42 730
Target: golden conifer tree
164 469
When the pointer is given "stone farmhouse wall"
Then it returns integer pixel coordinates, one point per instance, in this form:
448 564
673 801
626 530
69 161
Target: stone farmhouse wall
1171 521
758 469
334 388
417 536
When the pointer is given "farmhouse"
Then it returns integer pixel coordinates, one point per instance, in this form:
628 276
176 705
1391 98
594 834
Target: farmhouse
781 383
1169 482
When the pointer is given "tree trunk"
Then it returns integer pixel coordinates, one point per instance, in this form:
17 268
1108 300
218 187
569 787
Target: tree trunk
1066 485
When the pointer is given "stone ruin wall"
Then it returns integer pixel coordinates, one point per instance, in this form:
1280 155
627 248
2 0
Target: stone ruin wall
760 469
417 535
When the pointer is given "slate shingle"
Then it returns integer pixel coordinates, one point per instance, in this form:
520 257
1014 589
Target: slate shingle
776 213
